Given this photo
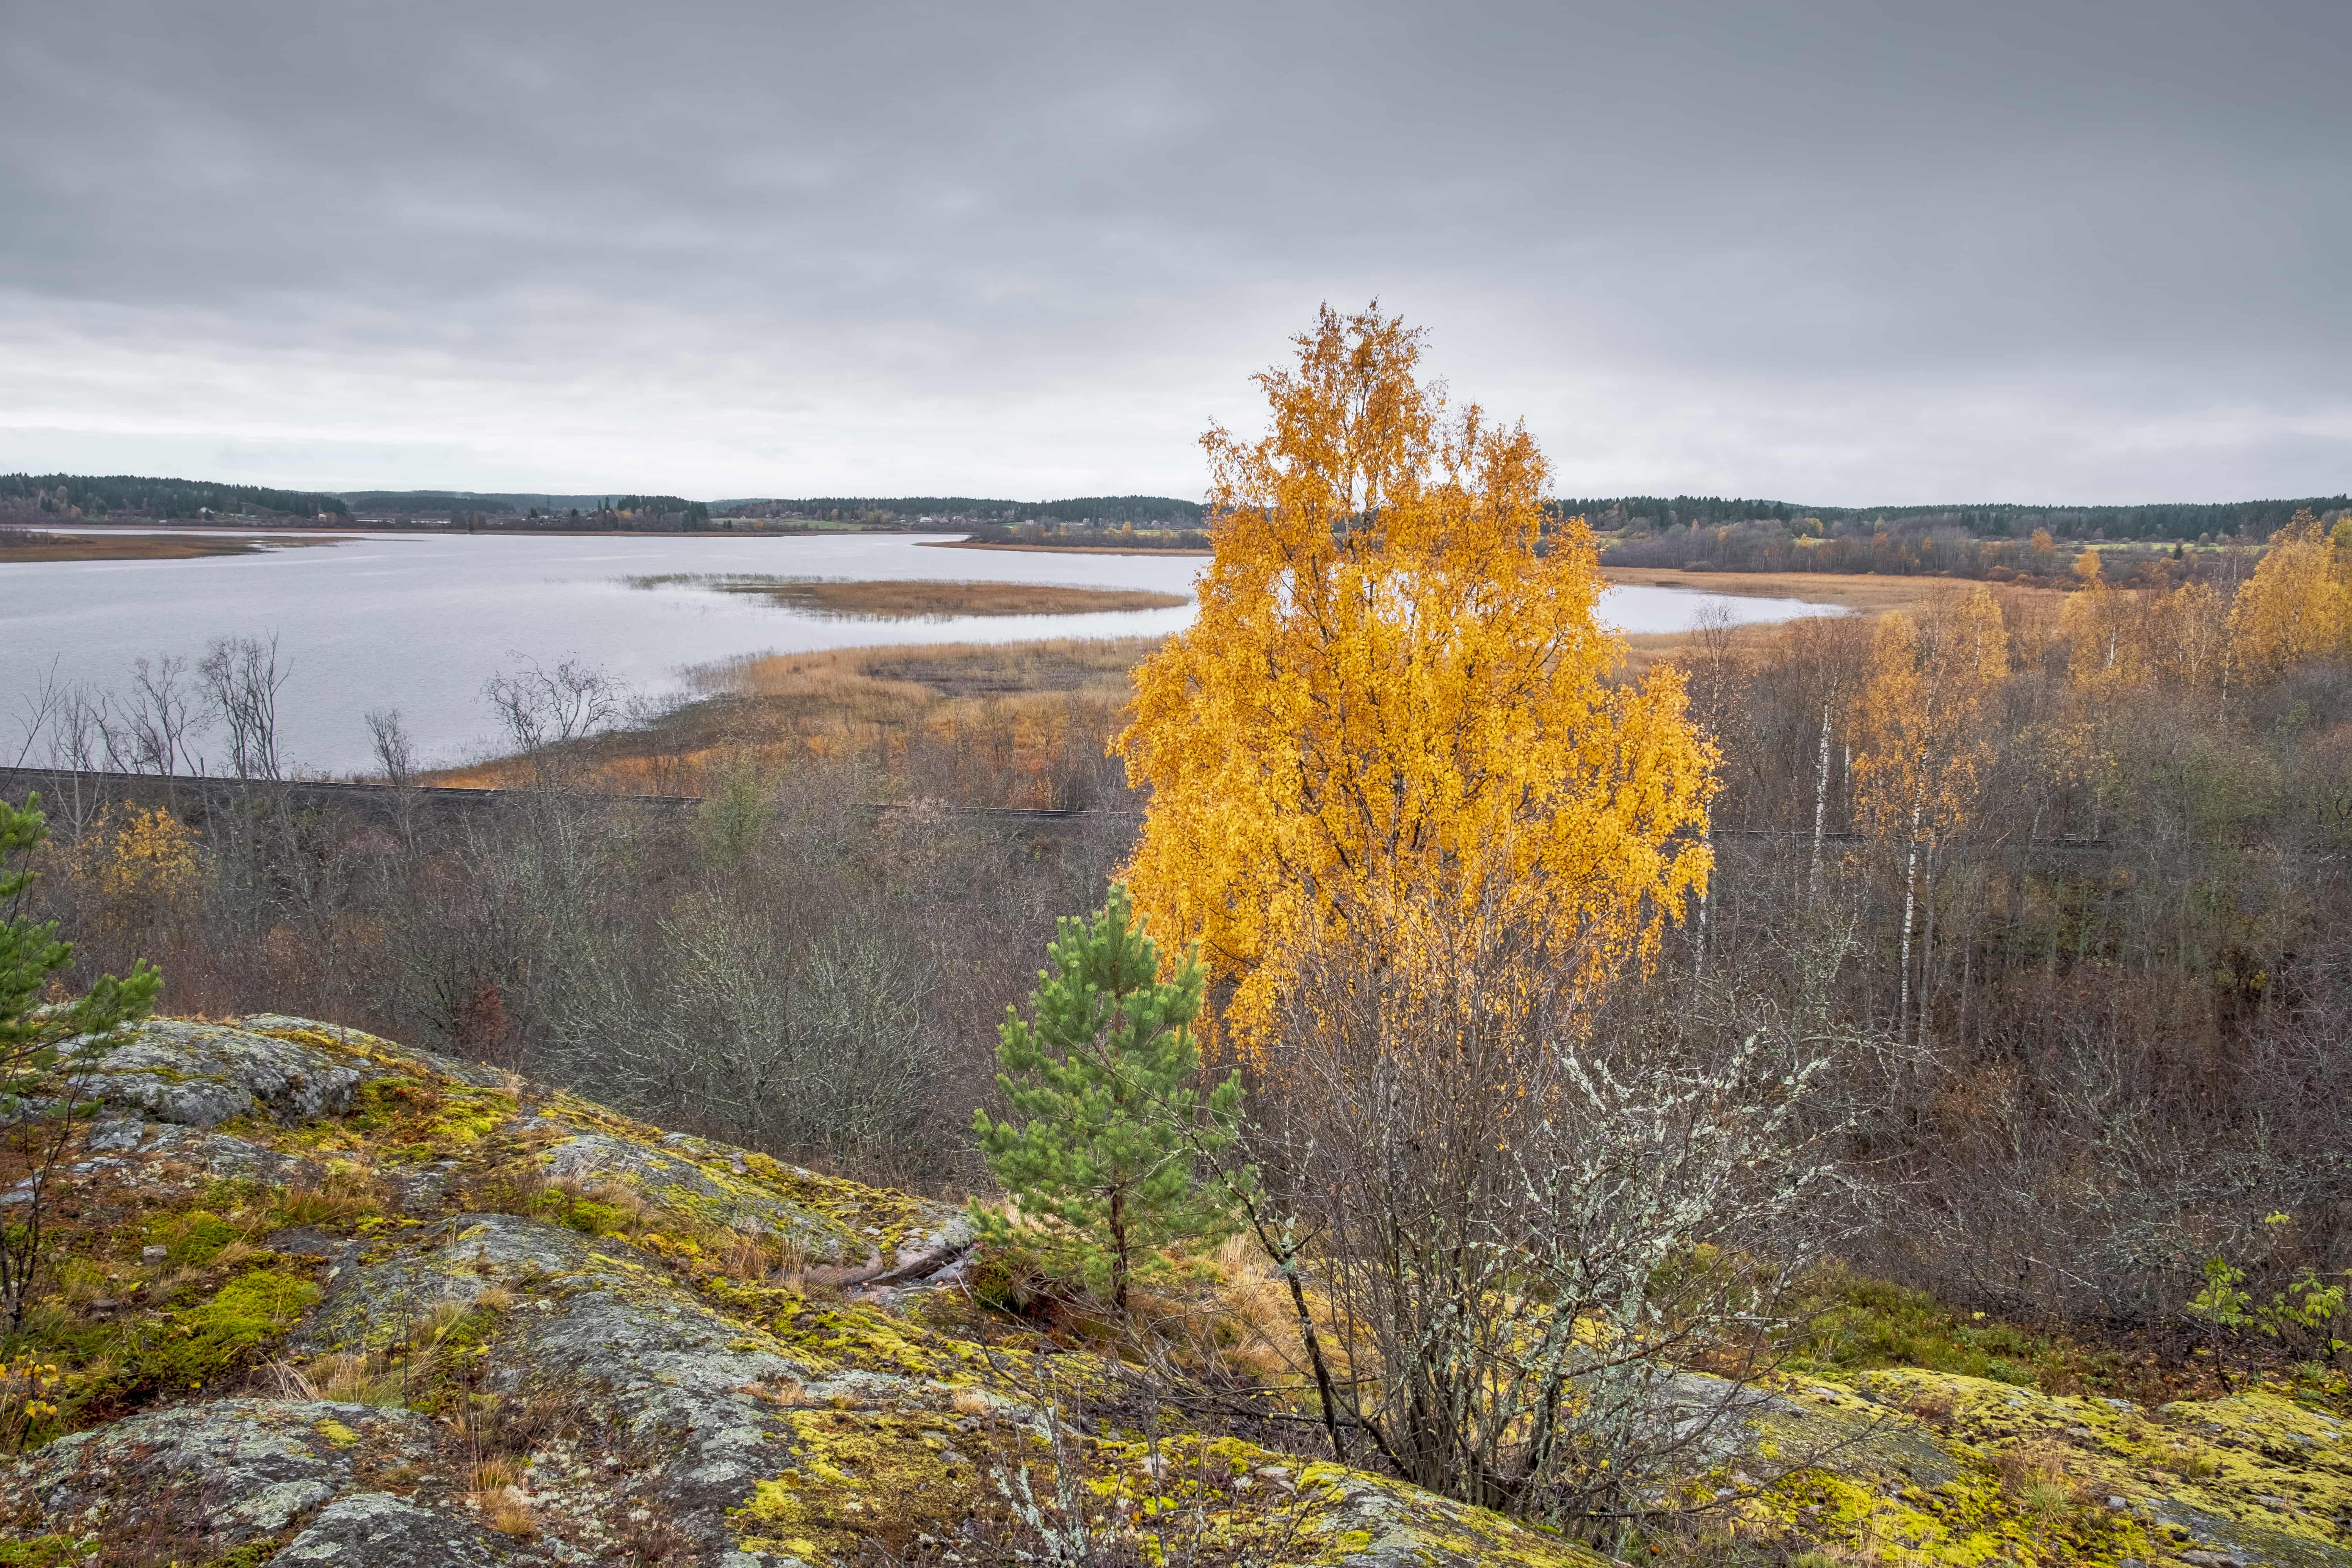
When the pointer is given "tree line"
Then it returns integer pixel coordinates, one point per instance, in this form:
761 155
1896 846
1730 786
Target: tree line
69 497
2159 521
1080 510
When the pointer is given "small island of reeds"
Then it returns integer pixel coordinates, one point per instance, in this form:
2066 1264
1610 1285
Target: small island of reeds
902 601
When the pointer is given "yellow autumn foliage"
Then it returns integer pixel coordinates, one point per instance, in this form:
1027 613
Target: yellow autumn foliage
2298 603
1923 721
2121 638
138 861
1395 695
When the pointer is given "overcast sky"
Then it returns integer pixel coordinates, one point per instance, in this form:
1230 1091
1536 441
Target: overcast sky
2069 251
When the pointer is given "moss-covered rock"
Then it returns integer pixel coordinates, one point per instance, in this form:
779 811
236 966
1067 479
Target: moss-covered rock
1935 1468
540 1331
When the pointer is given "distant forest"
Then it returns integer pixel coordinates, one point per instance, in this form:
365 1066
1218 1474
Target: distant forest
72 497
2254 520
1162 511
493 501
1646 530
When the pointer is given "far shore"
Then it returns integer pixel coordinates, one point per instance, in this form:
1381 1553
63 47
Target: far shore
152 546
1060 549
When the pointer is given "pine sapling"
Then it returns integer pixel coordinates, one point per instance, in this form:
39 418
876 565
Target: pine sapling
1108 1121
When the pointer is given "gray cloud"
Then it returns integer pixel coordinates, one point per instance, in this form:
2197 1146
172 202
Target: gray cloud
1840 252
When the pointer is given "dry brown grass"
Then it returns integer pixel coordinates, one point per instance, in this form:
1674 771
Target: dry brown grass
150 546
509 1514
907 601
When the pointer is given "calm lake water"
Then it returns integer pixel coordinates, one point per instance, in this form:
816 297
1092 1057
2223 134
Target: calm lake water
419 621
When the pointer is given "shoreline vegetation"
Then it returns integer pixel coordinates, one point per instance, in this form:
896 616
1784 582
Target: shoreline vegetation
1019 723
892 600
28 547
1025 724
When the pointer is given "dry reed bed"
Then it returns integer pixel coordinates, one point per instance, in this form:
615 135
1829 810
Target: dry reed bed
1019 710
143 546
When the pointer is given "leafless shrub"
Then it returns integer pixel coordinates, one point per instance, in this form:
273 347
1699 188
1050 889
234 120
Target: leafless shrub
1525 1237
241 679
815 1044
152 730
546 711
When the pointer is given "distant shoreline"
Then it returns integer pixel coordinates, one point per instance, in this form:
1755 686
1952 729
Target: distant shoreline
152 547
1059 549
362 531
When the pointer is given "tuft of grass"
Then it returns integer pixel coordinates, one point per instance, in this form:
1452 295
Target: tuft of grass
509 1514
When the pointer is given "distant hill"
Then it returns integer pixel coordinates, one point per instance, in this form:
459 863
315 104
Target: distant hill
414 501
93 497
1100 510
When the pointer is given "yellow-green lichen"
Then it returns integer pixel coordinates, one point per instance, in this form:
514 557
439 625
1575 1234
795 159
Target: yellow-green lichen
856 1476
2052 1478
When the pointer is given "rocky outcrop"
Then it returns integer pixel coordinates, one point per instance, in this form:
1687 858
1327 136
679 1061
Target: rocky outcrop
206 1479
331 1301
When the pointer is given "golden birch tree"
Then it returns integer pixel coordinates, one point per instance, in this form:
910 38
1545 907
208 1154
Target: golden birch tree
1396 697
1924 741
2298 603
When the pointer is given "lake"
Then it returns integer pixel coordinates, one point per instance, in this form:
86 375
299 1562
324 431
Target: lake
419 621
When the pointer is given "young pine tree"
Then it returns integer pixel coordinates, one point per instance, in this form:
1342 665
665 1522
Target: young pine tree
1111 1126
43 1051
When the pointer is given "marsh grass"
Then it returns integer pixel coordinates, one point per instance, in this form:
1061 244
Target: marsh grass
1018 724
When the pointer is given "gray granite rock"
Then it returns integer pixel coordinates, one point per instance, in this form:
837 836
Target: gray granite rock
376 1528
199 1074
210 1478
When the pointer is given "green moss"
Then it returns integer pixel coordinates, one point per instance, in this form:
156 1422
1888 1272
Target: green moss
584 1215
1856 1323
194 1236
336 1433
47 1552
205 1340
